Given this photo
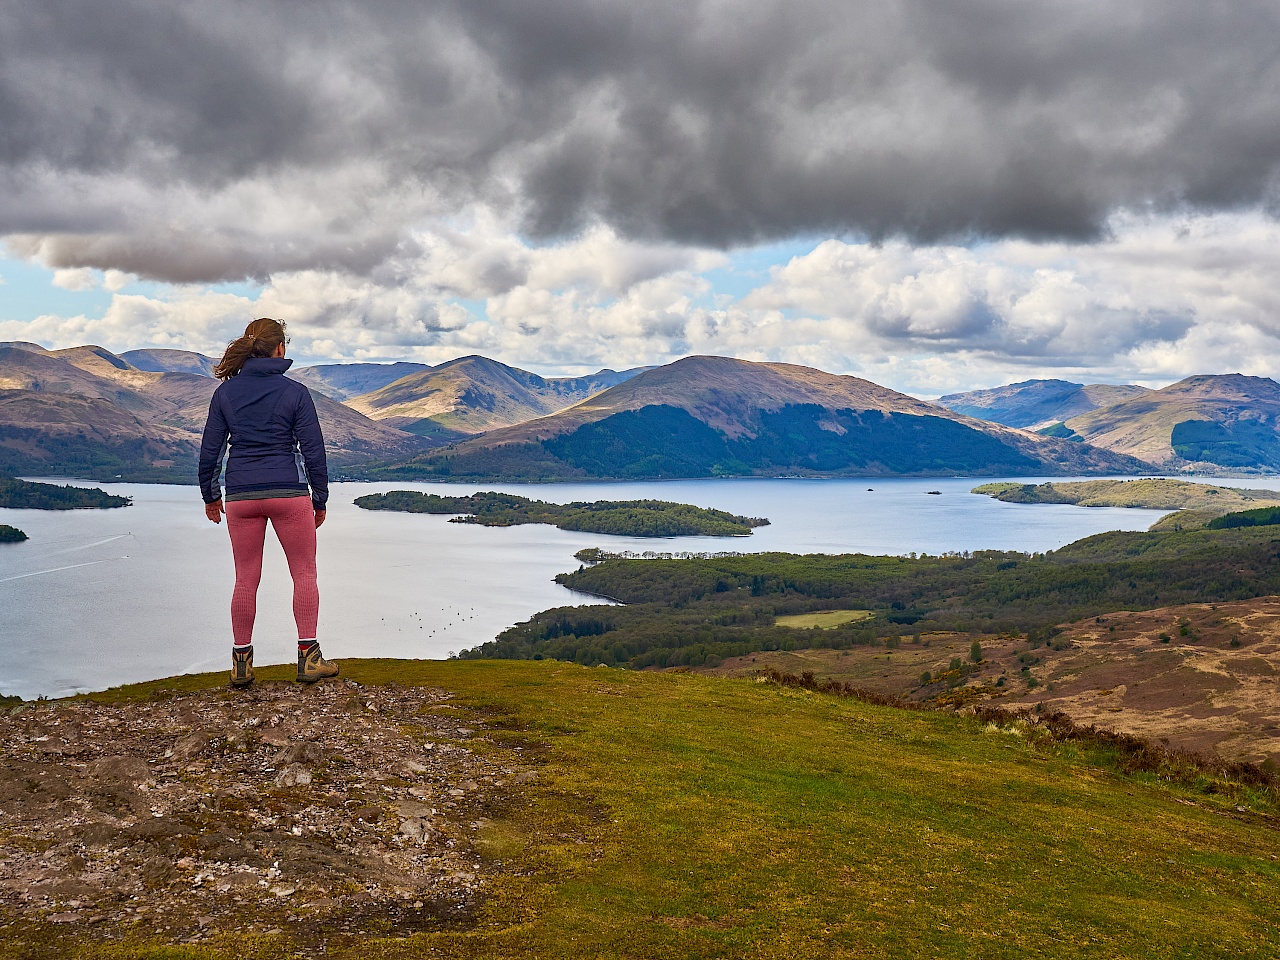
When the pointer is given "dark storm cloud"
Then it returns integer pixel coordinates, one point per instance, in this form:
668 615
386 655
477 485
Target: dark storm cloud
219 138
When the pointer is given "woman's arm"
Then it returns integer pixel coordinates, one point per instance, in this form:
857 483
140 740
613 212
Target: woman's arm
306 429
213 445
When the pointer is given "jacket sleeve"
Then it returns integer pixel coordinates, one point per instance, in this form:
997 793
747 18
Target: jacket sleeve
306 430
212 446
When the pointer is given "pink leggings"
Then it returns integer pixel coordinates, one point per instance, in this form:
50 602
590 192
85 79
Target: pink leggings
293 520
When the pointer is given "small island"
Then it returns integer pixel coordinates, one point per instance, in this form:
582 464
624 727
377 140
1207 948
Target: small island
28 495
10 534
625 518
1196 503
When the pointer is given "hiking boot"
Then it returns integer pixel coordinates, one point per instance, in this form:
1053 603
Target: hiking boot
312 666
242 667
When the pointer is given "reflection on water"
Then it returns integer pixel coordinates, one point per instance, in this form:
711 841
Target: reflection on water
101 597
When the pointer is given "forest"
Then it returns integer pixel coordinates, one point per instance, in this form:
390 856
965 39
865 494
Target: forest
1261 517
700 611
624 518
35 452
662 442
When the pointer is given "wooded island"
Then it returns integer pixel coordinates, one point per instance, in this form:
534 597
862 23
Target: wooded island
623 518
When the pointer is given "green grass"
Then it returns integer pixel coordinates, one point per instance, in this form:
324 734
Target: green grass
823 619
685 816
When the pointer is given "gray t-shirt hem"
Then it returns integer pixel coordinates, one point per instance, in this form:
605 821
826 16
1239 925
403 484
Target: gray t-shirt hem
267 494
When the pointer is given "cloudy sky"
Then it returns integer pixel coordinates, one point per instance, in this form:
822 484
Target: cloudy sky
933 194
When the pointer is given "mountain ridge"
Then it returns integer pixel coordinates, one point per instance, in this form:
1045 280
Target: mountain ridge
697 416
709 416
1032 404
474 394
164 360
342 381
86 411
1202 422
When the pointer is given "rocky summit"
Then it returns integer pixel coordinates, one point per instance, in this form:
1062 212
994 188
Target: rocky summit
333 810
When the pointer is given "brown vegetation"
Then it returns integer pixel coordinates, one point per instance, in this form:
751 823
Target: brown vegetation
1198 677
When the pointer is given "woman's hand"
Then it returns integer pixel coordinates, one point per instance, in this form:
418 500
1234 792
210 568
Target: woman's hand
319 518
214 511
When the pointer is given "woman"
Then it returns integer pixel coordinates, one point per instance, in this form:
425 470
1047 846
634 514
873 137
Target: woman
277 452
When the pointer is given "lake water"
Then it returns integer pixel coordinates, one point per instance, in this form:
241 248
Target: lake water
98 598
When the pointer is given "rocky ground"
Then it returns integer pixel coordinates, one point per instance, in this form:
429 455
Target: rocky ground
329 810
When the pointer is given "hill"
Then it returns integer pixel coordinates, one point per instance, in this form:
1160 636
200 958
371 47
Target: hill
1199 677
342 381
424 809
1202 423
716 416
1033 404
59 420
87 412
474 394
170 361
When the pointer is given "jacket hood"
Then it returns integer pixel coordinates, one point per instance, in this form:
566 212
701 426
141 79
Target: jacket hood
263 366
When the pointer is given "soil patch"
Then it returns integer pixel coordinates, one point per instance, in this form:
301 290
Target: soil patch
332 810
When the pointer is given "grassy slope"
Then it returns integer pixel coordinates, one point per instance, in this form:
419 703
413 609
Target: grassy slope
683 816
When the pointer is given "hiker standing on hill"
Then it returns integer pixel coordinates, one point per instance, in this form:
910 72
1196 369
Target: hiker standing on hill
276 471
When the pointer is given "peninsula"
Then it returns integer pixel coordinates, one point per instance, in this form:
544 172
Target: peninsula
1196 503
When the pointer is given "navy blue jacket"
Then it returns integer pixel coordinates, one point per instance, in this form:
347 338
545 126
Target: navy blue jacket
271 424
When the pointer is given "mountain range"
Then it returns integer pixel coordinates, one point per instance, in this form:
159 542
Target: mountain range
342 381
1200 424
86 411
718 416
1033 404
471 395
1203 424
